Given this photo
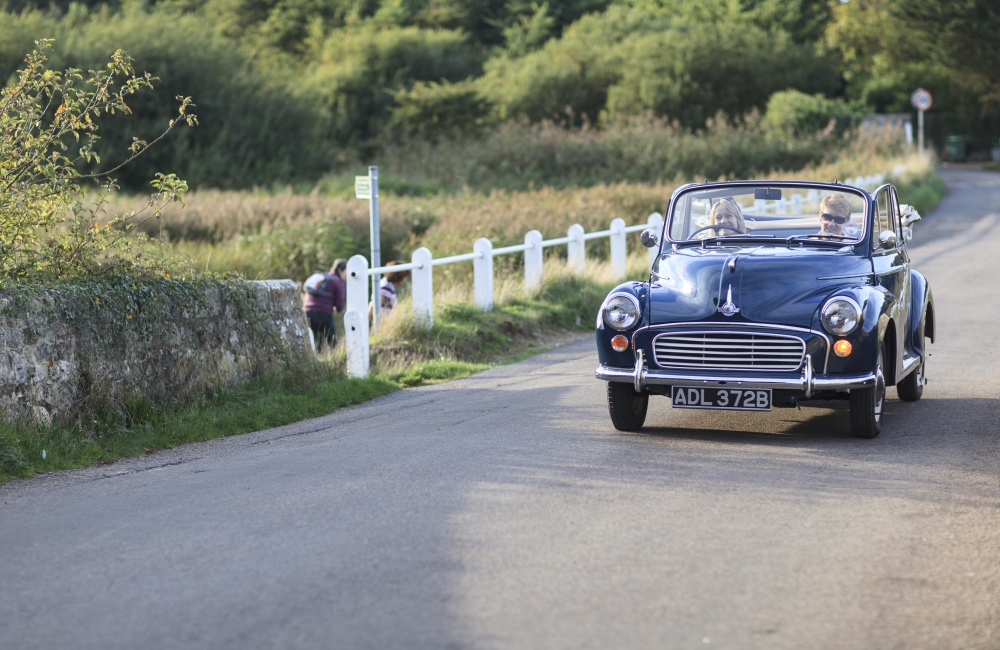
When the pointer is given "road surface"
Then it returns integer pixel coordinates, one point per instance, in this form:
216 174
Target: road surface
502 511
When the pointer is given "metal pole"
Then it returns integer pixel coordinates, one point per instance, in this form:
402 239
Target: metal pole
920 130
376 246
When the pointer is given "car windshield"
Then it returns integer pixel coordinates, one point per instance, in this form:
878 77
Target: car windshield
750 211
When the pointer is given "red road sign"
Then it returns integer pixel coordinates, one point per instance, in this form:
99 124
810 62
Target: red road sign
921 99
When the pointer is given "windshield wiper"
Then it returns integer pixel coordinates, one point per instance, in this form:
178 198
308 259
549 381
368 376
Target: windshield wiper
836 240
737 239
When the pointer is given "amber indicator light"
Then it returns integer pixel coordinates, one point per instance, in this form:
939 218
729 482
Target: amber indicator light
619 343
842 348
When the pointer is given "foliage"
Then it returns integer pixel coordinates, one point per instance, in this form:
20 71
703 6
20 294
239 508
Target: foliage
804 20
918 184
950 47
892 47
45 228
960 35
136 426
291 25
259 125
641 149
296 251
792 112
434 109
359 72
627 62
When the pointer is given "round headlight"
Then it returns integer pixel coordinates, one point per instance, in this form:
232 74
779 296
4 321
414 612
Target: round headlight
621 312
841 315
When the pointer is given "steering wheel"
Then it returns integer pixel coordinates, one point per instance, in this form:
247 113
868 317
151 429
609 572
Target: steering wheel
716 227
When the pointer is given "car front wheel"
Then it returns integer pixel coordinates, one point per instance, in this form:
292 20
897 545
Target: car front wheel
868 404
627 407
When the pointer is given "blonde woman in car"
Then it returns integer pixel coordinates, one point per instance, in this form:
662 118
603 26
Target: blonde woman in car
727 212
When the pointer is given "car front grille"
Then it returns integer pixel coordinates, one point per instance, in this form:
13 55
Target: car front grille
728 351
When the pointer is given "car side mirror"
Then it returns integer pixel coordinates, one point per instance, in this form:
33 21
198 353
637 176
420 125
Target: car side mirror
648 238
887 239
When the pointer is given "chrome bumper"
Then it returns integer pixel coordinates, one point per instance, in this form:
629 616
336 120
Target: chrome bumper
807 382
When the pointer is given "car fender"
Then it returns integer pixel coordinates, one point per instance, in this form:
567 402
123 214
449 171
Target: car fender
921 305
875 304
605 353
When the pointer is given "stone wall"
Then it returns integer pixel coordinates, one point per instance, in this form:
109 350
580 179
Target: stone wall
56 364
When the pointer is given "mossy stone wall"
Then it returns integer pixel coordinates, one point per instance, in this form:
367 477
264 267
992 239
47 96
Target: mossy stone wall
60 362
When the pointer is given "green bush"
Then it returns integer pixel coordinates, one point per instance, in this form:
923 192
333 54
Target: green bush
360 70
626 62
793 112
437 108
692 71
923 194
256 129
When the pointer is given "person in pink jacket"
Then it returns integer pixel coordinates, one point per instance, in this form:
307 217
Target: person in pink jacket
325 294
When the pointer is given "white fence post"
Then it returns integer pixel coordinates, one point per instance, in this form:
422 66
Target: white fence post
482 272
423 289
796 204
576 251
655 223
618 249
356 317
356 340
533 262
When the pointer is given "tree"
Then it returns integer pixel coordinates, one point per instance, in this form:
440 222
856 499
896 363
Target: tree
45 228
962 36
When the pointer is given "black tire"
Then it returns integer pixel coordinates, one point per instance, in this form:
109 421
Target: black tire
868 405
912 387
627 407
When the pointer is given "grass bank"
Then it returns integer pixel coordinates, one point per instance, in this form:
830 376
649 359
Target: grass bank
261 404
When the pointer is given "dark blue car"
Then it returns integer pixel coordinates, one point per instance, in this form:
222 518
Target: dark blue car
765 294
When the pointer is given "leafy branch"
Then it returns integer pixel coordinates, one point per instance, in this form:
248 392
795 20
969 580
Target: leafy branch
48 129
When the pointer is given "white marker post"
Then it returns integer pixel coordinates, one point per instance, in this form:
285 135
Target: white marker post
922 101
366 187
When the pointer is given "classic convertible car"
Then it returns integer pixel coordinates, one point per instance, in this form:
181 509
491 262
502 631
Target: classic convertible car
766 294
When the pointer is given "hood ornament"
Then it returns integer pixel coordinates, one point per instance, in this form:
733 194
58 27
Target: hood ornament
728 308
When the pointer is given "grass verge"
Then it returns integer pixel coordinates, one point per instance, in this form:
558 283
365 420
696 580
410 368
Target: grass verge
261 404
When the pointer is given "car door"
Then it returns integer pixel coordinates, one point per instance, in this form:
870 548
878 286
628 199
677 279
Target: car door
891 267
906 358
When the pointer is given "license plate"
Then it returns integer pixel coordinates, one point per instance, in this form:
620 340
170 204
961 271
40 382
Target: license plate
725 399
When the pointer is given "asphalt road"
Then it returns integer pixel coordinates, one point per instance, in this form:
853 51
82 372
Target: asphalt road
503 511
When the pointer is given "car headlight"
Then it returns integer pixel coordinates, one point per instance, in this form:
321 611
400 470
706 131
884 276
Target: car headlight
841 315
621 311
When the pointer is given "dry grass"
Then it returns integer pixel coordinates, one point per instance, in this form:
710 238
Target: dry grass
283 234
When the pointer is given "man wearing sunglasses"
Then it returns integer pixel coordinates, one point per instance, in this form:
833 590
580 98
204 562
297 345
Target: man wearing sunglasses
834 212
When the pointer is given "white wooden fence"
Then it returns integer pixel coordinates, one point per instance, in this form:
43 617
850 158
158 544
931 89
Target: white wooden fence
423 262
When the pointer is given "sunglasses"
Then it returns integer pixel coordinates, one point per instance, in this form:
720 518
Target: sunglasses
833 217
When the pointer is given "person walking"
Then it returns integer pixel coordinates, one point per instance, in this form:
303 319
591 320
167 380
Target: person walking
325 294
